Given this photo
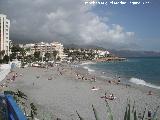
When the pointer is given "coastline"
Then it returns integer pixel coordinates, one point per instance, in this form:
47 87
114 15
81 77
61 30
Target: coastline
65 93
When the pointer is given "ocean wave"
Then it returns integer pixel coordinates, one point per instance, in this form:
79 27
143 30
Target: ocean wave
144 83
87 63
89 69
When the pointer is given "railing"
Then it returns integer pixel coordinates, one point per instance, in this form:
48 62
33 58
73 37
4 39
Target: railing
9 110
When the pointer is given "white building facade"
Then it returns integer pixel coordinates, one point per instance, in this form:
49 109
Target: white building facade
43 48
4 34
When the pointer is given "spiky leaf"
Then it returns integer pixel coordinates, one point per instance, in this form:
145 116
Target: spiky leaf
155 113
109 112
95 113
79 116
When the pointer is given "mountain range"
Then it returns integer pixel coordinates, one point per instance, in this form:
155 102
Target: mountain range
120 53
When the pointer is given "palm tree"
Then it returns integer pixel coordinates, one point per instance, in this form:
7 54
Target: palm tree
23 53
55 54
37 55
47 56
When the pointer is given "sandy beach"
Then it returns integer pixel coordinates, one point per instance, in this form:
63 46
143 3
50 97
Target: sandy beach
60 91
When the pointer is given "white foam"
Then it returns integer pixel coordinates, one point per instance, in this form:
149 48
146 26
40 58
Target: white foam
87 63
89 69
144 83
4 70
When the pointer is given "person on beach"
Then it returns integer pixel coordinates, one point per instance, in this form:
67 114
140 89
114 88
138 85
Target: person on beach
110 97
60 73
109 81
103 72
119 80
13 77
95 88
150 92
16 75
50 78
94 79
77 74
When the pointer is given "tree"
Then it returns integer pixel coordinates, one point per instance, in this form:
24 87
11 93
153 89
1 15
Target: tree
58 58
15 48
29 58
2 53
55 54
23 53
6 59
37 55
13 56
48 56
28 49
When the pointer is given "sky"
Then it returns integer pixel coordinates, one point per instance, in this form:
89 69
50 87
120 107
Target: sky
134 27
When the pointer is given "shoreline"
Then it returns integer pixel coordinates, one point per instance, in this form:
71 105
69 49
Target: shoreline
131 81
67 94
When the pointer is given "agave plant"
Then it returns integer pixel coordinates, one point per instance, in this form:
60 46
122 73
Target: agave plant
79 116
95 113
109 112
154 117
130 113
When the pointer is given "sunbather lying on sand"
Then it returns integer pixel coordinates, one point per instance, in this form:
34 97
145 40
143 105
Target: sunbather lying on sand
110 97
50 78
94 88
150 93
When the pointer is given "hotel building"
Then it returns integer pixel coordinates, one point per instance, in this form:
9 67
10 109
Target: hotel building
47 48
4 35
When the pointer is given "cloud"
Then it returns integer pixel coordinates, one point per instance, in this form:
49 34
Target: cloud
69 21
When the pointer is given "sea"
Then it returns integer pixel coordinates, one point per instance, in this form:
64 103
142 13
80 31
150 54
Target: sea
143 71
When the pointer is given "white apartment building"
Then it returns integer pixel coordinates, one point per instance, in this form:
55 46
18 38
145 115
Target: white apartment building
101 53
47 48
4 34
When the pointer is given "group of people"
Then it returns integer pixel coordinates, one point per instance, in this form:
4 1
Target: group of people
109 97
86 77
117 81
12 78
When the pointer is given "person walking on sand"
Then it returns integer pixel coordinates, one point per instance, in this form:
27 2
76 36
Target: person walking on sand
13 77
119 78
94 79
